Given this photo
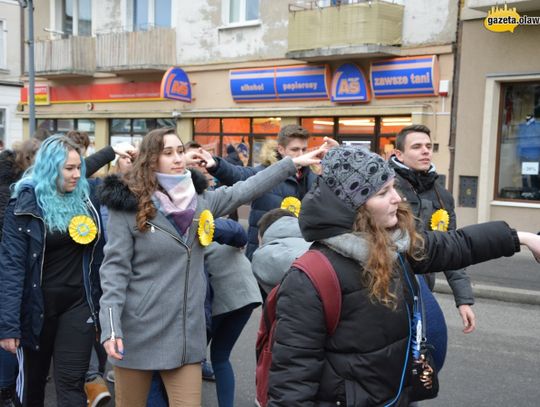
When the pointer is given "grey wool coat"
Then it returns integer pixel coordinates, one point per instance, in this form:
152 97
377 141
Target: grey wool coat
153 282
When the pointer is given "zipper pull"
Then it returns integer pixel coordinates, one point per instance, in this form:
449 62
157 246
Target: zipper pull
152 229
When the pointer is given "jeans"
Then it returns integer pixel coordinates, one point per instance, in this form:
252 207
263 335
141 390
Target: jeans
226 328
8 369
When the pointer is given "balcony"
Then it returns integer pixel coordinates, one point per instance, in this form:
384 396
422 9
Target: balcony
73 56
520 5
137 51
346 31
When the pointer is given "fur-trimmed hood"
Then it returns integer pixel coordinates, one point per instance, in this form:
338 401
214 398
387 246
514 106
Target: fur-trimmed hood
9 170
115 194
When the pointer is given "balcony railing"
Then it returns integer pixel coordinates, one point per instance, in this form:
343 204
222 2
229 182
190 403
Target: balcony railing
71 56
345 30
152 50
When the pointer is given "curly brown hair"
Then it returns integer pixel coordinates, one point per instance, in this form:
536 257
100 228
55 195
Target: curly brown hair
142 180
381 262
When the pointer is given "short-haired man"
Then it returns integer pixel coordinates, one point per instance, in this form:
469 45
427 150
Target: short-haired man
416 179
292 142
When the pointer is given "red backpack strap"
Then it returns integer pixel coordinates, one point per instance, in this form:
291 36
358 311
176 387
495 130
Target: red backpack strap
323 277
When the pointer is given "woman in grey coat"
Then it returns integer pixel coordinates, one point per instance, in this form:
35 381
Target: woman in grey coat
152 308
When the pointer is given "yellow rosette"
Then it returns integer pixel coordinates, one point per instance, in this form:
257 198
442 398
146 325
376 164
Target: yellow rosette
440 220
206 228
291 204
82 229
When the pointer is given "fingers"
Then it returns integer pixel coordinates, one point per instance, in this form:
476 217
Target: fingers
10 345
468 318
114 348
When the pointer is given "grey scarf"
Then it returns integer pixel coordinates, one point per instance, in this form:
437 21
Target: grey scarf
355 246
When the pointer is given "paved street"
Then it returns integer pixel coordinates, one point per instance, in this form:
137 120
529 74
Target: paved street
498 365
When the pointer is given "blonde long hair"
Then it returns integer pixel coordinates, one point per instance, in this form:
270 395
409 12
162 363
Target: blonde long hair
381 261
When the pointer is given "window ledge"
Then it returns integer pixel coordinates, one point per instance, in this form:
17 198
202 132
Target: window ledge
518 204
4 69
243 24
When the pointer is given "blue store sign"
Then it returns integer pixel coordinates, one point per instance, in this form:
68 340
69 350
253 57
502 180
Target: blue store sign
349 85
405 77
175 85
299 82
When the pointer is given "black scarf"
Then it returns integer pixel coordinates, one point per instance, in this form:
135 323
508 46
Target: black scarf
421 181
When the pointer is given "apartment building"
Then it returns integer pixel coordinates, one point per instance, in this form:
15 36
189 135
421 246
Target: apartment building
355 70
498 115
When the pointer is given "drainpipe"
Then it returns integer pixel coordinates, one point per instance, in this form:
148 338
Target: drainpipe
456 46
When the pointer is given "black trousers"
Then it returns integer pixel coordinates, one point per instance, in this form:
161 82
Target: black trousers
68 340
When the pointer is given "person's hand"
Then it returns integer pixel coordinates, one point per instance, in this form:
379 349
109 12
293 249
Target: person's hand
310 158
125 150
330 142
468 318
199 158
532 242
10 344
114 348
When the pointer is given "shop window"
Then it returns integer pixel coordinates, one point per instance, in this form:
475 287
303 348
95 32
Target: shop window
76 17
319 125
518 175
133 130
246 135
151 13
356 125
240 11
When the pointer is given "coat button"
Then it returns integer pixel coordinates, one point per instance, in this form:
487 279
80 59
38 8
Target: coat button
28 230
34 255
41 315
37 347
34 285
20 229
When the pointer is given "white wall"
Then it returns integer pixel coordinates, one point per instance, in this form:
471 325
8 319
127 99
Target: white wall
429 22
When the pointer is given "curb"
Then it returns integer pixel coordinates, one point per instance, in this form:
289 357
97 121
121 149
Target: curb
516 295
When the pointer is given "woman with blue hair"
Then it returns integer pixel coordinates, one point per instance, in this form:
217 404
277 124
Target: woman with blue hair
49 282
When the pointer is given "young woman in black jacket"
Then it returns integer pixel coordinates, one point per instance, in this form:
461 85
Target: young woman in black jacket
356 218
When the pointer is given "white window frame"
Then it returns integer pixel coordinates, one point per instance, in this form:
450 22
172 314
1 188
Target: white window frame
57 19
129 11
3 51
242 22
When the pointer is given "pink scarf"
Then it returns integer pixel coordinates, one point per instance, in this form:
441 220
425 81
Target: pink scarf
180 202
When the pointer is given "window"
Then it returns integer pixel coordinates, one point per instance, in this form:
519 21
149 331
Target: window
62 126
151 13
518 174
240 11
3 31
76 18
133 130
378 133
247 135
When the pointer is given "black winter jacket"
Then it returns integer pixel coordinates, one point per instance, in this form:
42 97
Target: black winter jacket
366 362
228 174
425 195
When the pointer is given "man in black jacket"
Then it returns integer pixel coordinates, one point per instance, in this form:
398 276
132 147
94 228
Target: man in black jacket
416 179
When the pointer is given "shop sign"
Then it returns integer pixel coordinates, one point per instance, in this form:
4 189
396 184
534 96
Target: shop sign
41 95
405 77
298 82
349 85
175 85
103 92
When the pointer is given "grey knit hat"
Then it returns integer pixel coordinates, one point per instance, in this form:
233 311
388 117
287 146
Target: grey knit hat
354 174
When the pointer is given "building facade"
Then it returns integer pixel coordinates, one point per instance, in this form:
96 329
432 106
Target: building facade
11 52
498 117
358 71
